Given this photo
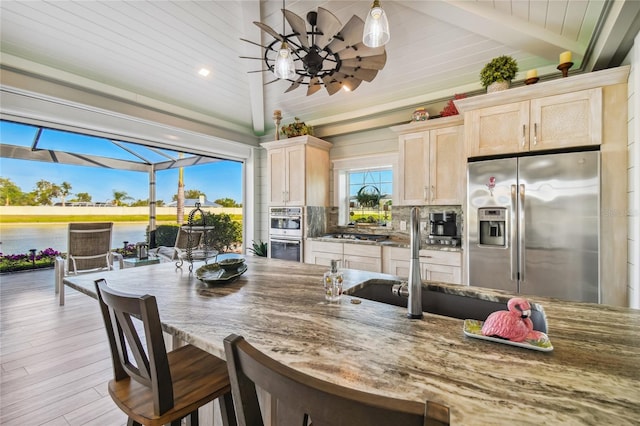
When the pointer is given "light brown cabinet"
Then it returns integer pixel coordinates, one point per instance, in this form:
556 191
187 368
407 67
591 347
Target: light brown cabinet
435 265
432 162
551 122
298 171
364 257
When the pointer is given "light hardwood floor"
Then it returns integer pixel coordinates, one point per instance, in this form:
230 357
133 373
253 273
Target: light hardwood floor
55 360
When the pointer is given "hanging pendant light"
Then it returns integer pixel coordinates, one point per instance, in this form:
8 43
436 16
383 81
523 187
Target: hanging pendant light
284 67
376 27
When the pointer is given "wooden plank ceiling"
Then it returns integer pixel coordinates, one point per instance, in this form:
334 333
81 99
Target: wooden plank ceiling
150 51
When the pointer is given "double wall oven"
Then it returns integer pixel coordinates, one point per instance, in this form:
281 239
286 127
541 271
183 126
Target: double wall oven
285 233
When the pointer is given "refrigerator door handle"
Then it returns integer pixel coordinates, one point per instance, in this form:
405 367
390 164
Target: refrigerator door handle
521 236
513 242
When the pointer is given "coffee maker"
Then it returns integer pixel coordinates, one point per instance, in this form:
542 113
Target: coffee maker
443 229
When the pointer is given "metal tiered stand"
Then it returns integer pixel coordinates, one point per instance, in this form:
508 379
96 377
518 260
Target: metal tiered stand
204 251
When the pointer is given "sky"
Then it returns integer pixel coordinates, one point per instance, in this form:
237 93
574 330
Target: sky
222 179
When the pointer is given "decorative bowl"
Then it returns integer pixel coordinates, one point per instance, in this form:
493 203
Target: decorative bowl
231 264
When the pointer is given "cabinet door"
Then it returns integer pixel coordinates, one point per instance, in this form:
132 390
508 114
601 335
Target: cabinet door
363 263
276 170
446 166
414 175
441 273
399 268
295 175
567 120
497 130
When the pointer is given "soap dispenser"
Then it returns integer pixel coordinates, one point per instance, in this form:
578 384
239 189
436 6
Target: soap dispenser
333 283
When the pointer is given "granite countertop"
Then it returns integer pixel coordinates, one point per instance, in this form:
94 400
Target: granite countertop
591 376
391 242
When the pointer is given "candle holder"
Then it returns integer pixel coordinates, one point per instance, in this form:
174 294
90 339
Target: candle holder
277 118
532 80
565 68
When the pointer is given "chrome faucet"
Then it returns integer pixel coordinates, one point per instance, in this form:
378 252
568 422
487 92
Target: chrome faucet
415 282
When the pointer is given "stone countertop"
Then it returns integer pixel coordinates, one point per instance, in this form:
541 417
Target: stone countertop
391 242
591 377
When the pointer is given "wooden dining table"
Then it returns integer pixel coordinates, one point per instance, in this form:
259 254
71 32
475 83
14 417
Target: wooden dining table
590 377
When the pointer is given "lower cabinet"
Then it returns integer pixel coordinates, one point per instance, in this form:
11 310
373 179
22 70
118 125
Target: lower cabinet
435 265
364 257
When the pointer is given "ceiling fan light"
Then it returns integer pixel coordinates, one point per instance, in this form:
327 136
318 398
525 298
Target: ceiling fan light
376 27
284 67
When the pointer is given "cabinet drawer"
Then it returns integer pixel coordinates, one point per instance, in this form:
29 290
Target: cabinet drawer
363 250
327 247
441 257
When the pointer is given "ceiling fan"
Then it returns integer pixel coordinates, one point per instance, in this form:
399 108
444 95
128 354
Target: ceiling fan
325 55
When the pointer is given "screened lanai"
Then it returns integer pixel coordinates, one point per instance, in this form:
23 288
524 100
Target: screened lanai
21 141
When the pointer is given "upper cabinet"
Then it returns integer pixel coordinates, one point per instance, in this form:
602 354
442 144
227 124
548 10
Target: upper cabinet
298 171
559 121
432 162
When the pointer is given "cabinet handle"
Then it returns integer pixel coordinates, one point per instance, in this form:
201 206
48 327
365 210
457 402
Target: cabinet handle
524 135
433 192
425 196
535 133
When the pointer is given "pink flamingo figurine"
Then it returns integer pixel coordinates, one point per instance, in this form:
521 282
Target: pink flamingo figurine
514 324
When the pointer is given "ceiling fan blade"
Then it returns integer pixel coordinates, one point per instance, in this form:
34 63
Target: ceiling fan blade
369 62
295 84
314 86
253 42
360 73
298 25
331 84
351 83
269 30
360 50
351 34
272 81
328 25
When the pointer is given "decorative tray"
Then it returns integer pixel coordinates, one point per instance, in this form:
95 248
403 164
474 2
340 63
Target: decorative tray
214 274
473 328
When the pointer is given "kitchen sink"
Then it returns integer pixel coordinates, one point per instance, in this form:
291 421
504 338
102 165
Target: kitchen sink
439 303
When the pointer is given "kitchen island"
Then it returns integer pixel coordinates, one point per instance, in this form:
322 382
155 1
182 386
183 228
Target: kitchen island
591 377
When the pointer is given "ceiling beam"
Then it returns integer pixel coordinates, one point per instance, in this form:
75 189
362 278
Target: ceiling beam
497 26
185 162
250 13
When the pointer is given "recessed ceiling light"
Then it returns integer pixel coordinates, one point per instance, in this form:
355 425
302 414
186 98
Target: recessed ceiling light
204 72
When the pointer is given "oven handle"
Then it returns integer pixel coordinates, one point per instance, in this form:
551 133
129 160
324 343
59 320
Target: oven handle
286 217
278 240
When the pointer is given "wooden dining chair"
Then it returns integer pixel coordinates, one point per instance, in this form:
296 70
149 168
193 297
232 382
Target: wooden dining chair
151 386
302 398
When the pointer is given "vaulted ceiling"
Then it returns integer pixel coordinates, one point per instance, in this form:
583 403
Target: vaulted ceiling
149 52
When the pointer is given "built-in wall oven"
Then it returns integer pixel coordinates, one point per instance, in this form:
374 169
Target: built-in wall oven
285 233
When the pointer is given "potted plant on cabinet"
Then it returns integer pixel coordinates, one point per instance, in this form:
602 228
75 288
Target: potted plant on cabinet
297 128
498 73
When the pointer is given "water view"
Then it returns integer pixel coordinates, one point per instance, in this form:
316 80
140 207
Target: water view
20 238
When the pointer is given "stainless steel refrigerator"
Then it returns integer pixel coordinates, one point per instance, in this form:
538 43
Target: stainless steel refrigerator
532 225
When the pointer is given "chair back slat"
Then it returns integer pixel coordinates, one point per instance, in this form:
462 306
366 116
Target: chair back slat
299 395
150 365
89 245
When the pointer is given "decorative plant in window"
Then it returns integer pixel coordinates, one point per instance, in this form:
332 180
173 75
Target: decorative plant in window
368 196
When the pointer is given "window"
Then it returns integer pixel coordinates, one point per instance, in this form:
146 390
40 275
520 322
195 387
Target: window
370 193
372 177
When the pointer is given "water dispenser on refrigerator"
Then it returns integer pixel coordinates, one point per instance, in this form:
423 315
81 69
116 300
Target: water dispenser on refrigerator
492 222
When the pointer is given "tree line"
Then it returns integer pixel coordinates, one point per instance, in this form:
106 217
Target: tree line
48 193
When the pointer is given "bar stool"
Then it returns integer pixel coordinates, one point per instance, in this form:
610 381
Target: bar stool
151 386
301 398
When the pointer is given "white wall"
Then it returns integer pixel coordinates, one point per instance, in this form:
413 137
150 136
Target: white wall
633 59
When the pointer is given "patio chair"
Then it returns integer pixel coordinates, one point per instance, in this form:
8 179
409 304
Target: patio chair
179 249
301 398
88 250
